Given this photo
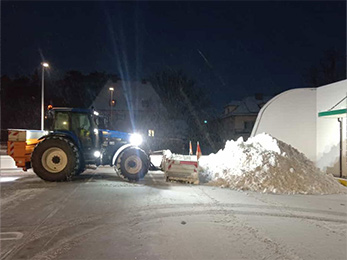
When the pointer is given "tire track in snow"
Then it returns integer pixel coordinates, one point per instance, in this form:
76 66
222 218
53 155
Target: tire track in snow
19 196
139 216
277 250
63 245
61 204
289 210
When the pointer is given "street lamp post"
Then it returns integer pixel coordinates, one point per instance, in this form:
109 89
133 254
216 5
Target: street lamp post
44 65
111 104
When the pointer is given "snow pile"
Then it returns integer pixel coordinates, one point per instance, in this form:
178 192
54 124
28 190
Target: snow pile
265 164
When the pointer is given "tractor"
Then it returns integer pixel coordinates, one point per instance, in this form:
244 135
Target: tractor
74 140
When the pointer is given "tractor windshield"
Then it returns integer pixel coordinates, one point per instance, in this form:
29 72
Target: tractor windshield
62 121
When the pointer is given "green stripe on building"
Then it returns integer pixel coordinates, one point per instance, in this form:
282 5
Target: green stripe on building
341 112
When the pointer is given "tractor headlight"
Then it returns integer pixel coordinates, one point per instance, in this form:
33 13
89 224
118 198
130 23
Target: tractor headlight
136 139
97 154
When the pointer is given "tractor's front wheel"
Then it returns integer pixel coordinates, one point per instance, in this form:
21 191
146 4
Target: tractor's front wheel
55 159
134 164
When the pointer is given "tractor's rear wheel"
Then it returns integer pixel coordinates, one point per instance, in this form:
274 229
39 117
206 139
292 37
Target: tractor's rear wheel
81 168
56 159
134 164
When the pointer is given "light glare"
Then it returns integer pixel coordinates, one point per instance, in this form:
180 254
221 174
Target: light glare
136 139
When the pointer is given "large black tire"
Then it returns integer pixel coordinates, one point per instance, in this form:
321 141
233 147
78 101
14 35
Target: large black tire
134 164
56 159
82 167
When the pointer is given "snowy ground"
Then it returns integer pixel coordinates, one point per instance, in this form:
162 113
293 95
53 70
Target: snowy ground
100 216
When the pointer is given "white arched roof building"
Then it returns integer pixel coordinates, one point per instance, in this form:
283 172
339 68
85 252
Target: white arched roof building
309 120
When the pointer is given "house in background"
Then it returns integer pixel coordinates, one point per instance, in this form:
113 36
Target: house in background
239 116
134 106
130 106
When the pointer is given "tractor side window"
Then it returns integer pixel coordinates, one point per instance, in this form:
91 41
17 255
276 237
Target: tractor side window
100 122
81 126
61 121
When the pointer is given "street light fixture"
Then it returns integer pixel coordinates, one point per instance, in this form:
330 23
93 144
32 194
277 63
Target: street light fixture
44 65
111 104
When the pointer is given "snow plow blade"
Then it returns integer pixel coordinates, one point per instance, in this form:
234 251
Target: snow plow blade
183 168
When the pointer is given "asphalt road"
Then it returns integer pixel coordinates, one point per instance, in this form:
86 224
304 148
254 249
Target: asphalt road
99 215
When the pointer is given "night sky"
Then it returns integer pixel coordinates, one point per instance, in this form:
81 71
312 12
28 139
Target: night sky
232 49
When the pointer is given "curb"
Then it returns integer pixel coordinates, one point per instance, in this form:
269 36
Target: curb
342 181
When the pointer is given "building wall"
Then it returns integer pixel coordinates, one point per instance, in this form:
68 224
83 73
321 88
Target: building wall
240 122
328 129
234 126
291 117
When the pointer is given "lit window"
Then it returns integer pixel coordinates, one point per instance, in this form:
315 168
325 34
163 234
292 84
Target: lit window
151 133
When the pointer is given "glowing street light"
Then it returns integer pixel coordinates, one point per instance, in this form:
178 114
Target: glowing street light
44 65
111 104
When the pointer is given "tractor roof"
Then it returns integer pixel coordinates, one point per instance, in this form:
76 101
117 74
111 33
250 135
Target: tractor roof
69 109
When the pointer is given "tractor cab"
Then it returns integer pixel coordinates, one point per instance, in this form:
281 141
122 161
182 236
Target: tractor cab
78 125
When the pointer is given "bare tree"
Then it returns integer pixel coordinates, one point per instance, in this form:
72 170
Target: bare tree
185 103
331 68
